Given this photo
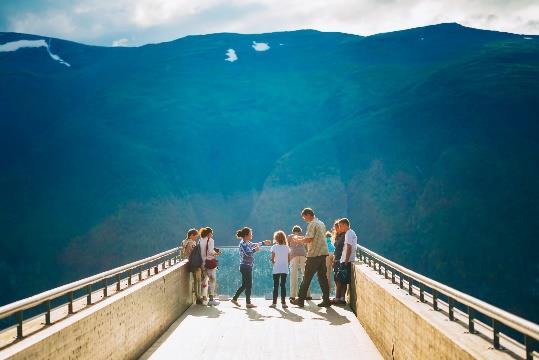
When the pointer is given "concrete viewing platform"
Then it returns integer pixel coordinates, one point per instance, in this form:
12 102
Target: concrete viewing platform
229 332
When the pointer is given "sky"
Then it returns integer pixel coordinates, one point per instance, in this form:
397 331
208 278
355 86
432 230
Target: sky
138 22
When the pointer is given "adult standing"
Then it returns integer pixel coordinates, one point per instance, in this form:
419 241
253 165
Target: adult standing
298 255
349 251
187 246
317 251
330 258
339 245
209 263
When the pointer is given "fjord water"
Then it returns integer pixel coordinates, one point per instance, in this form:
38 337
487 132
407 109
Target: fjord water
427 139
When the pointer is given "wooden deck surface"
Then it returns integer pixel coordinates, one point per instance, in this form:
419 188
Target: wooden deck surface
229 332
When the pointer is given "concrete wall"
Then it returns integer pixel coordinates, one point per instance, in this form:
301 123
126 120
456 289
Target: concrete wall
122 326
404 328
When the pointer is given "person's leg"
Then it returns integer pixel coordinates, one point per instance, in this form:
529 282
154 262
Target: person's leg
294 265
329 269
275 287
205 279
310 269
283 289
302 262
248 284
243 285
322 278
212 274
197 277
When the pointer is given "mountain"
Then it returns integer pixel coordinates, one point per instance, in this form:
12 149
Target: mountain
427 139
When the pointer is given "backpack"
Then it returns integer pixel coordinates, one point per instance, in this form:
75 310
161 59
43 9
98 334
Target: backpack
195 258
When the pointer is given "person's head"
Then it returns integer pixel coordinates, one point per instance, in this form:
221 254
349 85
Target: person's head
344 225
244 233
336 227
296 230
307 214
279 237
192 234
206 232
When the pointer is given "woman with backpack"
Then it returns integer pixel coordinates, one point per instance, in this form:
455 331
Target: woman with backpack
188 245
209 264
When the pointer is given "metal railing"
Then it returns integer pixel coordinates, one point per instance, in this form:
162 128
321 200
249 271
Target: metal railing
144 269
414 281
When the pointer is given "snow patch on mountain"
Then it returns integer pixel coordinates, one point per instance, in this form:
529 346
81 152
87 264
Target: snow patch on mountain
21 44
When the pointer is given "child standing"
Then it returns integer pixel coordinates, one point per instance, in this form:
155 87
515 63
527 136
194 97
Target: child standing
247 249
280 258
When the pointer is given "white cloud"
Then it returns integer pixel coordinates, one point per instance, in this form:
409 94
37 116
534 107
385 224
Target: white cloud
231 55
120 42
20 44
260 46
102 21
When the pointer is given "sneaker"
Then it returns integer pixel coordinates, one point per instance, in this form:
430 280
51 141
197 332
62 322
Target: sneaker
340 302
199 302
284 305
291 298
235 302
324 304
273 305
309 298
250 306
213 303
298 302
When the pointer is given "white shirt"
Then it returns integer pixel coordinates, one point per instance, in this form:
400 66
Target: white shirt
281 259
211 252
350 238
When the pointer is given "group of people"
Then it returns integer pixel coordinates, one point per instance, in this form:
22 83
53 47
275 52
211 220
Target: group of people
328 254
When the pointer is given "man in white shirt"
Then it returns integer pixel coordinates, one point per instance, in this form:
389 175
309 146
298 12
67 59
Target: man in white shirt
348 253
350 242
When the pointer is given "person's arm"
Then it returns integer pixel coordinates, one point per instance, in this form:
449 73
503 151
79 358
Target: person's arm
347 253
211 248
273 257
309 235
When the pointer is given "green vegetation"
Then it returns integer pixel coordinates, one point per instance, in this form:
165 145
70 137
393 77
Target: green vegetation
426 138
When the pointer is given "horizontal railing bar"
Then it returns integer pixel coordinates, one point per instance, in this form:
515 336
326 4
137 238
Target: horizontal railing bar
515 322
52 294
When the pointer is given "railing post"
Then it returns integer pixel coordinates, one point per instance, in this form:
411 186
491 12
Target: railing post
19 317
495 334
379 268
140 274
421 293
401 281
118 284
392 276
434 300
528 343
129 274
89 294
70 304
385 272
450 312
410 286
471 327
47 312
105 288
149 271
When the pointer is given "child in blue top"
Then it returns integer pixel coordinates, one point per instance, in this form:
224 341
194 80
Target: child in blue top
247 249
